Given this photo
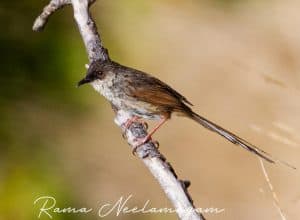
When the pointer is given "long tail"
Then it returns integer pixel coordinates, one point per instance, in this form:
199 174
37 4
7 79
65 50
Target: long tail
236 140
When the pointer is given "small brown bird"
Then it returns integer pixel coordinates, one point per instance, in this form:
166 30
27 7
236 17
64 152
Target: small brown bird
146 97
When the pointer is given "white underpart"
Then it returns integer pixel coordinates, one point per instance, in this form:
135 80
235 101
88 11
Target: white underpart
133 107
105 88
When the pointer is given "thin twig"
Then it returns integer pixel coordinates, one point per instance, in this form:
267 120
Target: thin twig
274 195
48 10
175 189
41 21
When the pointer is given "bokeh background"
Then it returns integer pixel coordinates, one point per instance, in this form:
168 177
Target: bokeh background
236 60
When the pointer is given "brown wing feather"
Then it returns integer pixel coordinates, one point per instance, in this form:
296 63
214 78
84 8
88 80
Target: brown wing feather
151 90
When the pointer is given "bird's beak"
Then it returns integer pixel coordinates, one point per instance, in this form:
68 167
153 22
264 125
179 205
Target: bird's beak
83 81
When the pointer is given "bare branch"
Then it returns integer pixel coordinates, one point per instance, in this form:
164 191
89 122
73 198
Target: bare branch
175 189
48 10
85 23
88 31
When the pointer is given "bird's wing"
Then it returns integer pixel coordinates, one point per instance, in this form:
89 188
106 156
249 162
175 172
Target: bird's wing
150 89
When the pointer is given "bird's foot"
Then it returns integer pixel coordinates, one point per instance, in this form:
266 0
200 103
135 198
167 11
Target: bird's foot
145 124
156 144
142 141
130 121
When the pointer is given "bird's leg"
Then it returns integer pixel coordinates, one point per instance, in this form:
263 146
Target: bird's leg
130 121
135 118
148 137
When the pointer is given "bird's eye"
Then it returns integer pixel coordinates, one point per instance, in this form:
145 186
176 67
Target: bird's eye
100 74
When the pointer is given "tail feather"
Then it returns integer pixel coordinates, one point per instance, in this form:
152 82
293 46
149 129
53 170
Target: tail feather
237 140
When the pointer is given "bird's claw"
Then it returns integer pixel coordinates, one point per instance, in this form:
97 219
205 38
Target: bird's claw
124 134
143 141
130 121
145 124
134 150
140 142
156 144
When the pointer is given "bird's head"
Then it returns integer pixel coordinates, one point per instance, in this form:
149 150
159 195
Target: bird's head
97 70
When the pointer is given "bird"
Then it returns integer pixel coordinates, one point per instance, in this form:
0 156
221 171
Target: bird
146 97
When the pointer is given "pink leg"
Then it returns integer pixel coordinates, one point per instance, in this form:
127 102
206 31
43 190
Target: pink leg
130 121
148 137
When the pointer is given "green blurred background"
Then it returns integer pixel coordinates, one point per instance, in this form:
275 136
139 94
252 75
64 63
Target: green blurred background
236 60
